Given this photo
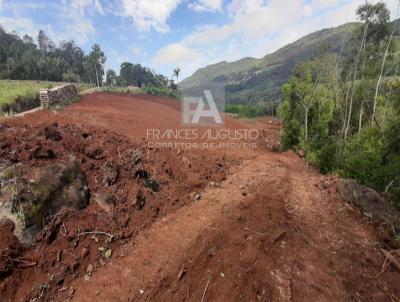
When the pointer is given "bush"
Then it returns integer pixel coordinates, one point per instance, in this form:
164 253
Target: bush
291 135
246 110
161 91
369 158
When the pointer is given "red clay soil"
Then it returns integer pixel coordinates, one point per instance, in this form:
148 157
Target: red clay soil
232 225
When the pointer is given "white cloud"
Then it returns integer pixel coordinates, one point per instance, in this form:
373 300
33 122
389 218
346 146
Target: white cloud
82 6
174 54
136 51
74 16
307 10
147 14
206 5
323 4
20 25
256 28
81 30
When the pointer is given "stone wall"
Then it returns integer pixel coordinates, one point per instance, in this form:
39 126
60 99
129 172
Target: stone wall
58 95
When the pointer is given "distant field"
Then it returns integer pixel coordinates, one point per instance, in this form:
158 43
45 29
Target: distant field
19 96
11 89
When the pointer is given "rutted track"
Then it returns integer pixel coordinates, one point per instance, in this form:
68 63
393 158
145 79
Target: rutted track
271 231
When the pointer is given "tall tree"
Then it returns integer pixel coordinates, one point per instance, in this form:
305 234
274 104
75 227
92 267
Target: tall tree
111 78
97 59
177 71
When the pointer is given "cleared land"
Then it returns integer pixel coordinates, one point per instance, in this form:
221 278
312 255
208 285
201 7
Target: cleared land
226 225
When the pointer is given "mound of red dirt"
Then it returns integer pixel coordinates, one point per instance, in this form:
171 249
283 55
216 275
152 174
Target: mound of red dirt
130 187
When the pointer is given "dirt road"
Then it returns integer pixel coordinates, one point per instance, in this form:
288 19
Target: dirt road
268 233
272 229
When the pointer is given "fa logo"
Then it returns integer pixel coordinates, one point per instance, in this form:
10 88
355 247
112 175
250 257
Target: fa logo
193 116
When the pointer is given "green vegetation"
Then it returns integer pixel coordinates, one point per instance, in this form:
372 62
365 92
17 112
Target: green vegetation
344 112
22 59
251 110
251 80
159 91
41 60
162 91
18 96
116 89
137 75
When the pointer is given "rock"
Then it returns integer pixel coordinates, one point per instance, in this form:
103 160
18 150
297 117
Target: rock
301 153
89 269
85 252
370 203
195 195
51 188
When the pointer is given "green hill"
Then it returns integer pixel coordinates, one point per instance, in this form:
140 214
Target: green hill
251 80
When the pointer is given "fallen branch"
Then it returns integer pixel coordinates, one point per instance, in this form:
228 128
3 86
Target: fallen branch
392 259
96 233
258 233
26 265
280 235
302 235
205 290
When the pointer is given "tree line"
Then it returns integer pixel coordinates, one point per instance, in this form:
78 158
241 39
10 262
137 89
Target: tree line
344 112
27 58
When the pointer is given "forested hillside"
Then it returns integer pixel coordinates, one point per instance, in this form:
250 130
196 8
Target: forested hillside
259 80
344 111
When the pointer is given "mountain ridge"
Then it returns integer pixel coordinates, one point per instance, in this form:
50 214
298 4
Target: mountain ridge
251 80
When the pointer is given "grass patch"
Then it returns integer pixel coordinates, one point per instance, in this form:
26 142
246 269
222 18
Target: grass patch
158 91
162 91
18 96
110 89
246 110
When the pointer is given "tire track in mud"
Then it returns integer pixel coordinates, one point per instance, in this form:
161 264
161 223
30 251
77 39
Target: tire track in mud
268 233
162 249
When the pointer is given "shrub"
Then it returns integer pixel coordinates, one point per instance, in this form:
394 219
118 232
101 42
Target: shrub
245 110
161 91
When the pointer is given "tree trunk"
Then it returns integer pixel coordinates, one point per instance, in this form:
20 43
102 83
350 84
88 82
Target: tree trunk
306 124
382 67
97 76
354 81
361 116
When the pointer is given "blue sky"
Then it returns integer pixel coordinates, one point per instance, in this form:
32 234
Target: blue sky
190 34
